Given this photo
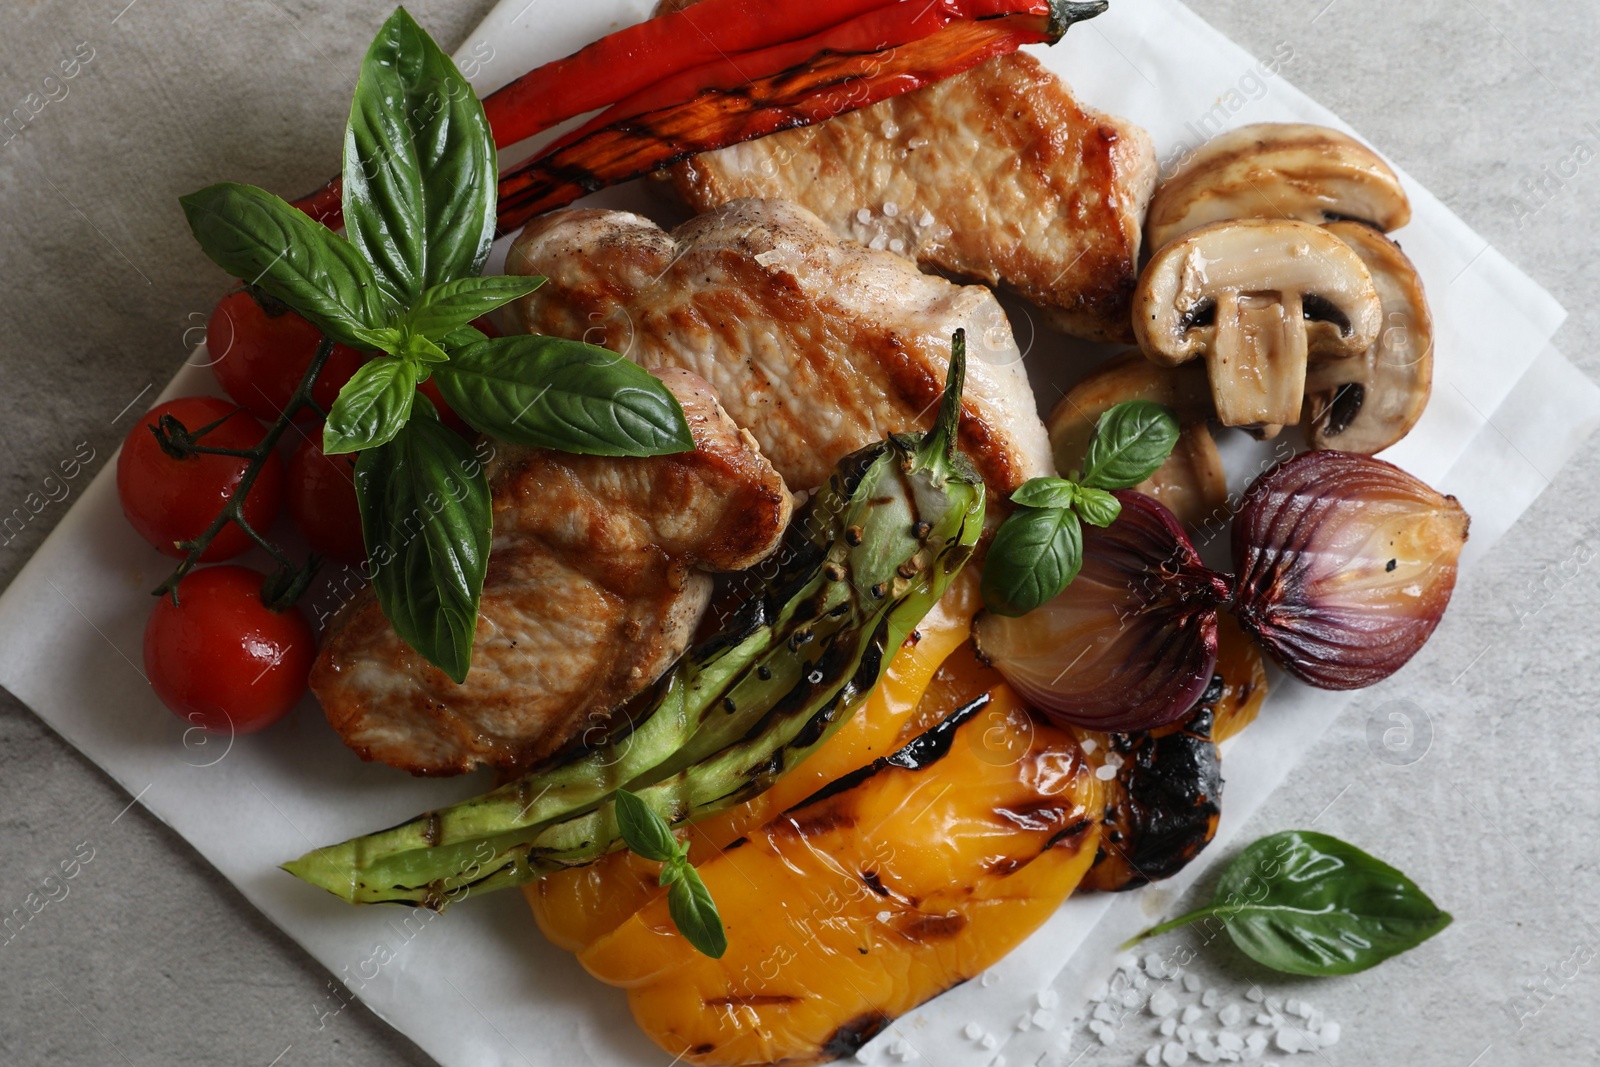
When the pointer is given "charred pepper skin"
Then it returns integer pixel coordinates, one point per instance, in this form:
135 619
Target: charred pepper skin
736 713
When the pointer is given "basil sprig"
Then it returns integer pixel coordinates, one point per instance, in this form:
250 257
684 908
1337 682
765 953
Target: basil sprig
419 207
1306 903
689 902
1038 550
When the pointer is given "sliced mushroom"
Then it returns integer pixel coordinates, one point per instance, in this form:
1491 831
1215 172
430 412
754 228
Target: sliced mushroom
1257 298
1191 482
1368 403
1278 171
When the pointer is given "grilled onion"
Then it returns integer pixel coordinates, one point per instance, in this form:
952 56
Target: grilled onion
1345 565
1131 643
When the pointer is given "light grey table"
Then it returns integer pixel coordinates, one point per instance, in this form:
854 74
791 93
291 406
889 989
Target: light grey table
153 959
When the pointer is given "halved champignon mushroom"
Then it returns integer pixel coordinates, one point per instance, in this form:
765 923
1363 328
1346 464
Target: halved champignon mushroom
1191 483
1368 403
1278 171
1257 298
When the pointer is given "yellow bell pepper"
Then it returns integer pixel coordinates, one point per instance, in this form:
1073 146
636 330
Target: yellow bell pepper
887 889
576 906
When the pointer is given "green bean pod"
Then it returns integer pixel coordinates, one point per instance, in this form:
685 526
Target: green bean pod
861 564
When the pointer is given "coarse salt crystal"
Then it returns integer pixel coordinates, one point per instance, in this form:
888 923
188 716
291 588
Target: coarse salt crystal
1208 999
1191 1014
1230 1015
1329 1034
1044 1018
890 209
926 219
1287 1040
1174 1054
896 245
1105 1012
1152 1055
1088 744
1207 1054
1155 966
1255 995
879 243
1162 1003
1131 998
1025 1024
1107 1036
1191 983
990 1042
973 1031
864 215
989 978
1113 759
1292 1006
1230 1041
1047 998
1263 1019
1305 1010
1274 1004
1169 1025
1105 772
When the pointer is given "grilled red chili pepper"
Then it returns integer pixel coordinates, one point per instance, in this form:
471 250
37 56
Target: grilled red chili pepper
796 84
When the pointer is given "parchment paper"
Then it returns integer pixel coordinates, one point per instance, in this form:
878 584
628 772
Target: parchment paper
479 986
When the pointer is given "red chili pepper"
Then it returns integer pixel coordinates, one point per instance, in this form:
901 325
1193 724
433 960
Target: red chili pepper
826 75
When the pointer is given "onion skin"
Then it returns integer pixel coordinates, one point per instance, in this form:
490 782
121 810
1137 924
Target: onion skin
1132 642
1345 566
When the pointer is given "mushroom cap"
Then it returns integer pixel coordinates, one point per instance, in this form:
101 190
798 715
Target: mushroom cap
1255 256
1191 483
1368 403
1278 171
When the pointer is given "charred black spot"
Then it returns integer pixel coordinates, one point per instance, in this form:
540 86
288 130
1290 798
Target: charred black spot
1166 804
848 1039
1041 814
924 750
1004 866
1069 833
874 883
821 822
933 927
752 1000
1314 308
703 1049
1390 566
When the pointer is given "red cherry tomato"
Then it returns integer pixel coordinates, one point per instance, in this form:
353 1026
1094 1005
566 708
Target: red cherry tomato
221 659
259 356
322 500
169 499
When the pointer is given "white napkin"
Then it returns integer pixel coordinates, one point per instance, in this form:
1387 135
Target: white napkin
479 986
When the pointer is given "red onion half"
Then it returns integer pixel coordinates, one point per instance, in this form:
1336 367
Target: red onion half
1132 642
1346 564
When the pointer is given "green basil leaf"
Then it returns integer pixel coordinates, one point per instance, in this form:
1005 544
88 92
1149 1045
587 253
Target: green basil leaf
1096 506
463 336
372 406
451 305
426 519
416 347
419 165
694 913
1034 556
643 831
566 395
259 238
1045 493
1306 903
1130 443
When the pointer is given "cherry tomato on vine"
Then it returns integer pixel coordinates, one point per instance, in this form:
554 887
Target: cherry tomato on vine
168 499
321 495
220 658
259 354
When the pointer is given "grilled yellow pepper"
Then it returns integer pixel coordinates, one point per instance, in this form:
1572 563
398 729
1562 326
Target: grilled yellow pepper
889 887
576 906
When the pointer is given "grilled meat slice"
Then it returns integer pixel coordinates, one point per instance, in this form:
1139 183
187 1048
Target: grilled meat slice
596 581
816 345
998 174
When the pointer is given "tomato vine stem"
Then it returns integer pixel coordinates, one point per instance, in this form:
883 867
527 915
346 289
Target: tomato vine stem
291 580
